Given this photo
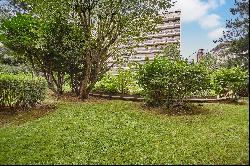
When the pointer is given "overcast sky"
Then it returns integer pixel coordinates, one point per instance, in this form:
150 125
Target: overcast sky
202 21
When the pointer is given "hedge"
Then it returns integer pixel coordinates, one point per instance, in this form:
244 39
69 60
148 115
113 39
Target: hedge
21 90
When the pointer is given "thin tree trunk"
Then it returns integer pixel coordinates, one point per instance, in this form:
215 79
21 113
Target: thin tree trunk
84 93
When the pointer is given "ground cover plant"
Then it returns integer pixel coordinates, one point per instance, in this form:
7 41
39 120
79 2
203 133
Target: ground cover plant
69 43
121 132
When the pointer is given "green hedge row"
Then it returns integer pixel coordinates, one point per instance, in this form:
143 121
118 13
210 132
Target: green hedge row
21 90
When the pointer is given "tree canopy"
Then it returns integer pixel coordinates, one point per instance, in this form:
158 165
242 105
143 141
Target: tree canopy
237 33
77 37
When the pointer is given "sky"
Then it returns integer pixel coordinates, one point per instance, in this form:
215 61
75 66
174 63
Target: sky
202 21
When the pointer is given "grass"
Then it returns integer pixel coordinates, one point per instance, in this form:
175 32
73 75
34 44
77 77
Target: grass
121 132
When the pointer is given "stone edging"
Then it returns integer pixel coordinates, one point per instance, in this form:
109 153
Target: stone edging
133 98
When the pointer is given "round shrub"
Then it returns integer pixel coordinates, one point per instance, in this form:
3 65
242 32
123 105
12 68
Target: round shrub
21 90
229 82
167 82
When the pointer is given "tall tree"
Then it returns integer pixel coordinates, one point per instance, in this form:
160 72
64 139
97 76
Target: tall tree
106 25
237 33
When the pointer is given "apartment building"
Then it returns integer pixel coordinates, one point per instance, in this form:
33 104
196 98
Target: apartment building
170 32
221 53
200 54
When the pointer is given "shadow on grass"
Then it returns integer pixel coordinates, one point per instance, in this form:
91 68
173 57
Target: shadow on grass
19 116
179 110
71 97
235 102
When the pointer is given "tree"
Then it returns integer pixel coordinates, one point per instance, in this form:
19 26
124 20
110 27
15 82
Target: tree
210 61
43 45
237 33
106 25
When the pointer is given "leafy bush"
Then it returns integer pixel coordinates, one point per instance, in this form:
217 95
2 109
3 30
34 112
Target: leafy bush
229 81
21 90
124 82
107 84
167 82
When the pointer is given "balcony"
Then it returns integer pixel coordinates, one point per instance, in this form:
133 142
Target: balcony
169 18
166 26
173 41
177 25
149 51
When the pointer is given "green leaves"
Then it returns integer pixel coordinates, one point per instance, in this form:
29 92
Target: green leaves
166 81
237 33
52 47
124 82
229 81
78 37
21 90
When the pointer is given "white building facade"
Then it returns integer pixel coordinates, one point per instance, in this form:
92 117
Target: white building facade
170 32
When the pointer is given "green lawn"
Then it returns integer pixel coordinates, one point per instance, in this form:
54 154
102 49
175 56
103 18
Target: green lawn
120 132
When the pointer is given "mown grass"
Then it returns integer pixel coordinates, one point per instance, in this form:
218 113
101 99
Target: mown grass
120 132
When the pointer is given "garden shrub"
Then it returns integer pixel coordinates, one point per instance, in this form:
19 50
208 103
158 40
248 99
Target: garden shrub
21 90
229 82
124 82
106 84
167 82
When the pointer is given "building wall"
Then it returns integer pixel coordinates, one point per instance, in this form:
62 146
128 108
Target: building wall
200 54
170 32
221 53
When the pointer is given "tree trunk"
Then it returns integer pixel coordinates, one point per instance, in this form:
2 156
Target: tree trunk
50 83
58 82
84 93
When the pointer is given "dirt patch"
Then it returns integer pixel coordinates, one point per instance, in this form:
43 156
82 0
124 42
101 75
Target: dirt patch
21 115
